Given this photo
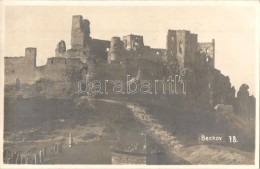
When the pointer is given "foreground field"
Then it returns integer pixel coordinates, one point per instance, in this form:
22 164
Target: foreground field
96 125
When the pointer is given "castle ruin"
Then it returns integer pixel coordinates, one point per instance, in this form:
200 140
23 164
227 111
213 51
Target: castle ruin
206 86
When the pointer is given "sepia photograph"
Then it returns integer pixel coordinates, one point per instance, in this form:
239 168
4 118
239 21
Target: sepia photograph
130 84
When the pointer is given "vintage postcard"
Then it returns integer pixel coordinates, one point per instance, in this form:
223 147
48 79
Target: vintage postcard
130 84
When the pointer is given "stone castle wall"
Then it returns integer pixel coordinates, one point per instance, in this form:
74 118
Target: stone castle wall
21 68
64 73
99 49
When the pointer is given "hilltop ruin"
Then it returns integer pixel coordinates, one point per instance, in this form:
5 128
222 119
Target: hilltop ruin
102 59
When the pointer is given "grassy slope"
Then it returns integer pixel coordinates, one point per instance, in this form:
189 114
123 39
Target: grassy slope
97 128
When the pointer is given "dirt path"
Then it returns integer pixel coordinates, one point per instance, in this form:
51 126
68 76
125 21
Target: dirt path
154 129
198 154
157 131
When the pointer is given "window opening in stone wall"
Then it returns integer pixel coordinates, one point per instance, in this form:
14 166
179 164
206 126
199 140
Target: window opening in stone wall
180 47
207 50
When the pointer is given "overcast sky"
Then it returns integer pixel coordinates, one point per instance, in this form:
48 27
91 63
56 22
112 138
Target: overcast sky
232 27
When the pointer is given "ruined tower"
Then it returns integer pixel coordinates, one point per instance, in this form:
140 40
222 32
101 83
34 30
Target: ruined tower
181 45
208 48
133 42
171 46
116 48
80 32
31 54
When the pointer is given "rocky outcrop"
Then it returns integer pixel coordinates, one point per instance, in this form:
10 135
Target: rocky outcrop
223 91
245 104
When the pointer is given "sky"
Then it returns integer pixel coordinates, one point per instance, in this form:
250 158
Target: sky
232 27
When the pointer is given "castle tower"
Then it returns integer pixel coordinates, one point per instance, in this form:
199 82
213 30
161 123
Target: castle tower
86 30
181 45
31 54
208 48
80 32
116 48
171 47
133 42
